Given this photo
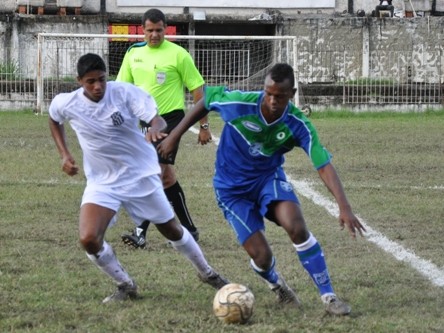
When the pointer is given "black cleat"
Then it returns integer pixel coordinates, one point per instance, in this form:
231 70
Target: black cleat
136 239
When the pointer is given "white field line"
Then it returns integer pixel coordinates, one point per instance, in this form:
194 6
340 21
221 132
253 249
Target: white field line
424 267
416 187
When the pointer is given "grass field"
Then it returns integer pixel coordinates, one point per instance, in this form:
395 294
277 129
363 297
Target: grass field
391 164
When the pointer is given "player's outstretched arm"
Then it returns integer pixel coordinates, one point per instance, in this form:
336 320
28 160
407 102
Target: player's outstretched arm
204 135
172 140
58 134
346 217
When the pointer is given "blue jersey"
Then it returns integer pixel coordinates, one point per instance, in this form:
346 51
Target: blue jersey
250 148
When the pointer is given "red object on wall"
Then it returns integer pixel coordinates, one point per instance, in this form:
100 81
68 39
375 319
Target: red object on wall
131 29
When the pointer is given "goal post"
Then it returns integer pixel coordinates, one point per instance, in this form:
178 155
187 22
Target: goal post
238 62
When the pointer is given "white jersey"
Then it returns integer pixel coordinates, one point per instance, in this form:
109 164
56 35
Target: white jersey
115 151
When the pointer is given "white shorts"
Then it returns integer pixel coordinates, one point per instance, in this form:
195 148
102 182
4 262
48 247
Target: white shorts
143 200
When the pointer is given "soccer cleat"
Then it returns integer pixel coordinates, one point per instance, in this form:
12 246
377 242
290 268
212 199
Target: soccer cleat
335 306
285 295
135 239
215 280
125 290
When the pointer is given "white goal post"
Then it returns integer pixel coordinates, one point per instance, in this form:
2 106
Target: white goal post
238 62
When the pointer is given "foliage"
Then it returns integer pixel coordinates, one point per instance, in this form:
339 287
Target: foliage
9 71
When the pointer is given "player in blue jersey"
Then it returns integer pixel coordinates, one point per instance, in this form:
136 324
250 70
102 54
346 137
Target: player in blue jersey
250 183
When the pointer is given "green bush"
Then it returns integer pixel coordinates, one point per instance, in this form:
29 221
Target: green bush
9 71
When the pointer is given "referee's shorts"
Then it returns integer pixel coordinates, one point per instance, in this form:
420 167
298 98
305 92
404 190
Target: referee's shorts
172 119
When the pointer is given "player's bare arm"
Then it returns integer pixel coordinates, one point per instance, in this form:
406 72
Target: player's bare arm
156 130
169 143
346 217
58 133
204 135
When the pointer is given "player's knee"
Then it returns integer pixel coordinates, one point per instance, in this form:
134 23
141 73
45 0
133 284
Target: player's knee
168 176
171 230
299 234
264 261
168 181
90 243
262 257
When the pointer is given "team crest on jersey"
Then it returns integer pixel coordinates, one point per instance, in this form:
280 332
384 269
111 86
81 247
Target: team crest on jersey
280 136
286 186
160 77
117 118
252 126
255 149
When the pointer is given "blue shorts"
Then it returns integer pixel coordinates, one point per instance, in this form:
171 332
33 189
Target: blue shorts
245 208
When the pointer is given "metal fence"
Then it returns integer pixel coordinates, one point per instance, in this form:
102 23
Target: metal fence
35 74
380 77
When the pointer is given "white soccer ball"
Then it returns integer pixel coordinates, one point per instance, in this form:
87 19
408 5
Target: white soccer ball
233 304
306 109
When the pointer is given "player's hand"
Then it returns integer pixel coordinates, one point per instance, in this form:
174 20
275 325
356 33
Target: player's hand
204 136
166 147
349 220
69 165
154 135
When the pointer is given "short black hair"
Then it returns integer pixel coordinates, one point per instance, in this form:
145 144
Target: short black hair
90 62
154 15
281 72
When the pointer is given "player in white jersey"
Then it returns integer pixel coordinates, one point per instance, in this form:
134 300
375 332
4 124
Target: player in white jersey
121 168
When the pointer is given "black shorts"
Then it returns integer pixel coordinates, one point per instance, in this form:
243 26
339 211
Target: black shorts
172 119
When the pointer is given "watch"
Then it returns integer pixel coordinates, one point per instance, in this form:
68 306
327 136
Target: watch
205 126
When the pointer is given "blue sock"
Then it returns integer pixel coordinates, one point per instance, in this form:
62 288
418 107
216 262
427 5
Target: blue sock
270 274
312 258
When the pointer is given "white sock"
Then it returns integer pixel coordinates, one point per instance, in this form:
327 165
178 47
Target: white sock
328 297
107 262
190 249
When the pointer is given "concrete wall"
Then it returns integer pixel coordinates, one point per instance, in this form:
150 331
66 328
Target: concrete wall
422 37
246 10
8 6
316 32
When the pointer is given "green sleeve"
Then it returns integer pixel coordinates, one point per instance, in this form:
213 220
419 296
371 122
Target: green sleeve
212 93
190 74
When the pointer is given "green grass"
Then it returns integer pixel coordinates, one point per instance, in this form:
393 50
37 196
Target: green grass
391 165
9 71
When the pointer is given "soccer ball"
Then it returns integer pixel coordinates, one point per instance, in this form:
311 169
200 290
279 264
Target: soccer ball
306 109
233 304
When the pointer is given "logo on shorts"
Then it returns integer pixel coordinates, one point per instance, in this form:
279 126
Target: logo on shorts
117 118
286 186
160 77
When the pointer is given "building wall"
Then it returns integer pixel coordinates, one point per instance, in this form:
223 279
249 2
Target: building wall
246 9
315 32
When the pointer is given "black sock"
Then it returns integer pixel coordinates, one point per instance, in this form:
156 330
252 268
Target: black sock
144 226
177 198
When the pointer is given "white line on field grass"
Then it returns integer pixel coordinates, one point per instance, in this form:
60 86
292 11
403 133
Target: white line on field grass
424 267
